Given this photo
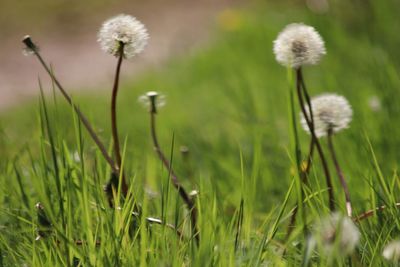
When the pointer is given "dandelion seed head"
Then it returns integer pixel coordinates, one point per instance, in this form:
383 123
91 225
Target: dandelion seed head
147 99
337 231
298 45
391 252
331 112
123 29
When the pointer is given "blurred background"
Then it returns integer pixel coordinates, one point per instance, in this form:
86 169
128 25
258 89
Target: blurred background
66 33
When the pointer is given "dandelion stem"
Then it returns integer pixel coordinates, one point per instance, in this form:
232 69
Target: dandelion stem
30 45
174 179
309 157
311 118
340 173
114 167
299 83
114 129
370 213
304 173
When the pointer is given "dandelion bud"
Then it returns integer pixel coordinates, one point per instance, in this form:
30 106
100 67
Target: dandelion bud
298 45
30 47
337 232
152 100
123 30
391 251
331 113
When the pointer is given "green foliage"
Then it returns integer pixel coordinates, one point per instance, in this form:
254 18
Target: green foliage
228 103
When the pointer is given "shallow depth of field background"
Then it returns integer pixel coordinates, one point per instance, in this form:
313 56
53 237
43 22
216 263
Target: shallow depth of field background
227 99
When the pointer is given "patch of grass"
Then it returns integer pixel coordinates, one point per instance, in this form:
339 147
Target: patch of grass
229 105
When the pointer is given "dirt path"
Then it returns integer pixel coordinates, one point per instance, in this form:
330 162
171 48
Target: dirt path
176 28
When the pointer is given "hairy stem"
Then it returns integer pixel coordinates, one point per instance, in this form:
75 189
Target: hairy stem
174 179
340 174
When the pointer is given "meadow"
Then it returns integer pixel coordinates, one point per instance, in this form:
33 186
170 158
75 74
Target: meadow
226 129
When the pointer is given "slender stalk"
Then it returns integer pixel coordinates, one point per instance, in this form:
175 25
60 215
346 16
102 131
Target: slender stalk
340 174
174 179
309 157
114 167
314 137
32 47
370 213
239 224
311 118
303 174
114 128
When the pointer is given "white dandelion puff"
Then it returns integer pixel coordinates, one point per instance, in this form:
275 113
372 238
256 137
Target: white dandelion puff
391 252
298 45
337 232
152 100
126 30
331 112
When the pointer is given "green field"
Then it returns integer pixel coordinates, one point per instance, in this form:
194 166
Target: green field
229 105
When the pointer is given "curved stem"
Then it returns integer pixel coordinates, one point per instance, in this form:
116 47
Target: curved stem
174 179
303 174
310 118
314 137
30 45
114 129
340 174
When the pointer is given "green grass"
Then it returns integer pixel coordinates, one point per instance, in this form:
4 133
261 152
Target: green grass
229 104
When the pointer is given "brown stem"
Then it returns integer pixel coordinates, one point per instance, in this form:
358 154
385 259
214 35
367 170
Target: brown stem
310 156
340 173
114 128
370 213
303 174
314 137
114 167
32 47
311 118
174 179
